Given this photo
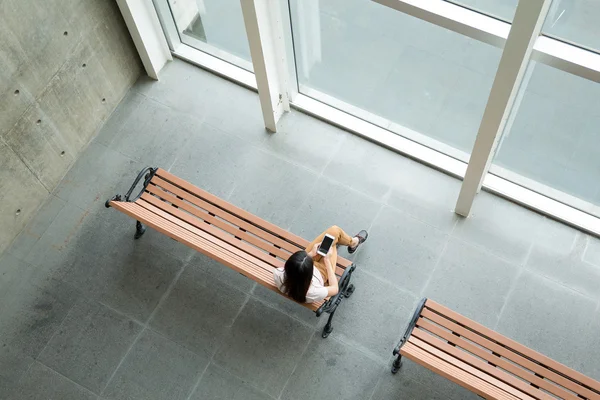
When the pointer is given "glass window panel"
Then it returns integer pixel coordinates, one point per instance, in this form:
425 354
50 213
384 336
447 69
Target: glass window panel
575 21
394 70
214 26
552 141
502 9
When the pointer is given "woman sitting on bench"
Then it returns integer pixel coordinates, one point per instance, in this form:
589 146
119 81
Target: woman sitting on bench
304 283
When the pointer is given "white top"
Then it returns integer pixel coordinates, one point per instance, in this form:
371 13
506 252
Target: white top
316 291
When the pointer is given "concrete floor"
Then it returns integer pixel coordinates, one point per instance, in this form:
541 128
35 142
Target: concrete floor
89 313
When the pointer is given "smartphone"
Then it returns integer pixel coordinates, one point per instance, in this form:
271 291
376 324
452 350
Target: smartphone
325 245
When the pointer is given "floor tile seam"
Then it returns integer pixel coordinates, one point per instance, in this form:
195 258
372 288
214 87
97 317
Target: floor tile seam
214 354
200 376
68 203
165 295
487 251
54 191
237 315
120 128
223 281
523 265
18 382
299 360
165 335
281 158
144 327
67 378
376 387
338 145
274 307
369 229
351 189
554 280
62 321
298 214
420 220
435 267
507 298
389 283
344 339
451 233
120 313
210 361
162 103
28 225
9 252
244 380
114 373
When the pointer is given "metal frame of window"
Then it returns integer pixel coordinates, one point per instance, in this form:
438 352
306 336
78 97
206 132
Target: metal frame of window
547 50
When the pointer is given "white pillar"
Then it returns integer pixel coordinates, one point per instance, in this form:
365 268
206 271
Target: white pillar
265 36
526 27
147 34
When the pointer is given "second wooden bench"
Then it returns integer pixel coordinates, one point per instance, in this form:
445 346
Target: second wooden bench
485 362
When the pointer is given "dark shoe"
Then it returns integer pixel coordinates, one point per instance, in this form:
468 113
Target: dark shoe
362 237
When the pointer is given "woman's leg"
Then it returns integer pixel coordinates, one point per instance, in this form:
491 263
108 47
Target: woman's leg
340 237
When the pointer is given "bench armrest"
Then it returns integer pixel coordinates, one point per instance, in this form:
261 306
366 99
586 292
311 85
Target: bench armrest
149 173
411 325
331 304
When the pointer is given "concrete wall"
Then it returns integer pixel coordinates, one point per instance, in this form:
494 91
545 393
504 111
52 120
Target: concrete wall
64 67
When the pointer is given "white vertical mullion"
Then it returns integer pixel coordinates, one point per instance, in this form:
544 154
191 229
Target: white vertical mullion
147 34
526 27
265 36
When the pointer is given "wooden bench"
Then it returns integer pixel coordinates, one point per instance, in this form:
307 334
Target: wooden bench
222 231
485 362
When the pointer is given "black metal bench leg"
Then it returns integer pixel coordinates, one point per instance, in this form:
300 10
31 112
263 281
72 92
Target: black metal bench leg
349 290
139 230
328 328
397 364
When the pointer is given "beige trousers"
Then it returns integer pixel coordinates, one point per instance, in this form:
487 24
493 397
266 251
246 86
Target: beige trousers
340 238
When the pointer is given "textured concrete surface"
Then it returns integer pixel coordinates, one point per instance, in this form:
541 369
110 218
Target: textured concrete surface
89 313
65 67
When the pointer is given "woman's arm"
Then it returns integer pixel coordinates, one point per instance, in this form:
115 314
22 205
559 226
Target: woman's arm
333 288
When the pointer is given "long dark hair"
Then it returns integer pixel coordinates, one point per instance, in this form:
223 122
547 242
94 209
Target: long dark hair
298 275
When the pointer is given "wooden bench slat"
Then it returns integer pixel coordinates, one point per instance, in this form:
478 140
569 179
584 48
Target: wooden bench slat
447 370
498 361
223 245
227 258
159 187
197 217
508 354
158 182
213 229
203 246
179 217
298 241
504 387
205 216
480 364
567 372
181 234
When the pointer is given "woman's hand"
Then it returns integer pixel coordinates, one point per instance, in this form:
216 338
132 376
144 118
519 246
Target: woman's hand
313 251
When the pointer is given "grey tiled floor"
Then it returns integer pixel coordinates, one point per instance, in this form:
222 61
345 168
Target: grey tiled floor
88 313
